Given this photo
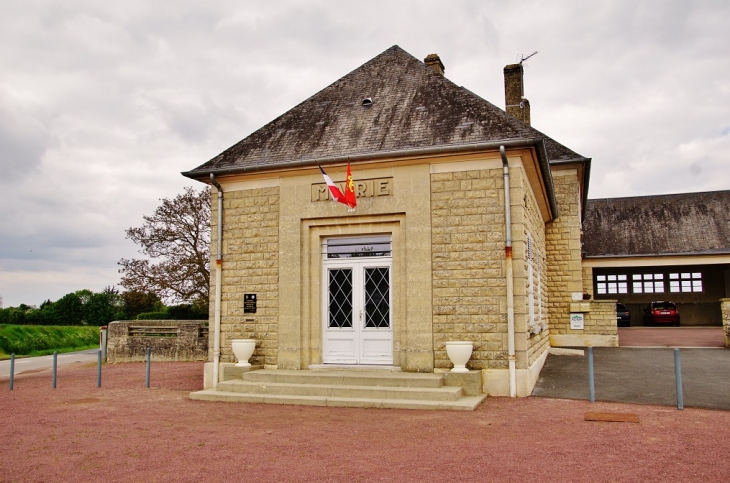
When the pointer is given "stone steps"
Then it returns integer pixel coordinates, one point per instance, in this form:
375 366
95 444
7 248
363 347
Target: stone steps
342 391
371 389
347 378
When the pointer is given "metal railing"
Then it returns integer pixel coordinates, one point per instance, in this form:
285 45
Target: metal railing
54 380
677 378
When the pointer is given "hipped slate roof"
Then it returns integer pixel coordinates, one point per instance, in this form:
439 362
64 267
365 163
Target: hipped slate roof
690 223
412 107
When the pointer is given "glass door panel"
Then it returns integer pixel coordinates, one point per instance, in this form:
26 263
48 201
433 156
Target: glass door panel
377 297
340 298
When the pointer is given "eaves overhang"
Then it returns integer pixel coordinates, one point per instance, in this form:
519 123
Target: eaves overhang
658 260
538 145
658 255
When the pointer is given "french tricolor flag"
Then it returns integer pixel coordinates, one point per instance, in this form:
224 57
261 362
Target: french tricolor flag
348 198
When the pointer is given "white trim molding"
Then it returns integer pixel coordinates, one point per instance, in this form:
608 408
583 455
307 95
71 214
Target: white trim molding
657 261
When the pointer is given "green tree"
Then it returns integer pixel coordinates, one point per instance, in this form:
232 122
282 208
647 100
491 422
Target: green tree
69 309
102 307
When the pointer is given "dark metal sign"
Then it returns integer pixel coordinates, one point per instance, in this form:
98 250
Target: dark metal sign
249 303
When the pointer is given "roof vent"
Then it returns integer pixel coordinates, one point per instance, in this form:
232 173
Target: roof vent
367 102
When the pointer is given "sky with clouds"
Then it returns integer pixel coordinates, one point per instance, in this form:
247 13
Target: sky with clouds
103 104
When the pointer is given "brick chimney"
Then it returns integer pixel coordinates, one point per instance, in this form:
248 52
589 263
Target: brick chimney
514 93
434 62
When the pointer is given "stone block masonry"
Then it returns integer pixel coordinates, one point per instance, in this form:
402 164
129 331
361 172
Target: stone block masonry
725 309
250 265
564 251
588 281
467 252
601 321
168 340
534 227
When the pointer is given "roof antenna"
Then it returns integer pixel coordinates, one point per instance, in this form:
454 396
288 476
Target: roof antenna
523 58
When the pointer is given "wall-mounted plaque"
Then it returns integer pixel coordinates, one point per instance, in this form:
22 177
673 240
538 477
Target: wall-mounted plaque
249 303
576 321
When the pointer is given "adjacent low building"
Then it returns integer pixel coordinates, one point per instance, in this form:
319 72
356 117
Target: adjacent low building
665 247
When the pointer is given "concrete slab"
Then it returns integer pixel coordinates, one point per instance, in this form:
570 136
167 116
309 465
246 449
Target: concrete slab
644 376
671 337
465 403
470 382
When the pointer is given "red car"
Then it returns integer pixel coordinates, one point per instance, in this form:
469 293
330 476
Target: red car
661 313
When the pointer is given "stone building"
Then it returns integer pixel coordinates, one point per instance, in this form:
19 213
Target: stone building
426 257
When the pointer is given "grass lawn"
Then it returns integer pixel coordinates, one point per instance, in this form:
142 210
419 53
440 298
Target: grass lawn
38 340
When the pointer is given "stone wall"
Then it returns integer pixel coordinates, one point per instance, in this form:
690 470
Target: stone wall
564 251
250 265
535 333
725 308
601 321
588 281
168 340
468 257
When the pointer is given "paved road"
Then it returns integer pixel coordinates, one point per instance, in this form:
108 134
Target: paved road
46 362
640 375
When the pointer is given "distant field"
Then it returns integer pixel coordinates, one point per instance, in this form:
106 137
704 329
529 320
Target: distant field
38 340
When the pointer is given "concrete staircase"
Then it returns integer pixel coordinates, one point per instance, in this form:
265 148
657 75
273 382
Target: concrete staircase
347 388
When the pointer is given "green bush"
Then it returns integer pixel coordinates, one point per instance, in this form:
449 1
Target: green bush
135 302
28 340
12 315
154 316
177 312
188 312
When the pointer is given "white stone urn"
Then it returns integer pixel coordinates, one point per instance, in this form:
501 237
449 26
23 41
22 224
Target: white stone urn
243 350
459 352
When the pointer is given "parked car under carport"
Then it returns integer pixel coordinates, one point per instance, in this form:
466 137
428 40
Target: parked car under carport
661 313
623 316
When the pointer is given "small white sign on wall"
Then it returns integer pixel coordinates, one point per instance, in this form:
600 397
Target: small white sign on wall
576 321
577 296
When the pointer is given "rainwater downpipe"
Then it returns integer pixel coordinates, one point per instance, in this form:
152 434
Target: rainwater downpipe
510 278
218 279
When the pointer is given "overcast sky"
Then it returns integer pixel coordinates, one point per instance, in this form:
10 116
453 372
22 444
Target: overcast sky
103 104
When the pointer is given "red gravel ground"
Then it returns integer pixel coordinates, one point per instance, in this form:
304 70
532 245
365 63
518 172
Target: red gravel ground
125 432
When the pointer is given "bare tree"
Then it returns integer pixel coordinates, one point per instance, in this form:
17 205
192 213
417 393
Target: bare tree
176 242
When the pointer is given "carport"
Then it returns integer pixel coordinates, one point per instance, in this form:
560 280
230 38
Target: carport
672 248
695 289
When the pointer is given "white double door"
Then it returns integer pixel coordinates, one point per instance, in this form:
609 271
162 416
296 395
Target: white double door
357 315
